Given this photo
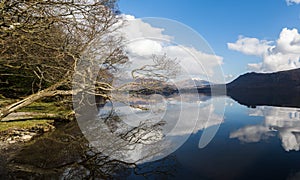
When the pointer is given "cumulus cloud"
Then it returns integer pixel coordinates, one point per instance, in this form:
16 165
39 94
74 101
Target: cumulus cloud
229 77
282 54
290 2
144 40
250 46
194 61
136 28
144 47
289 42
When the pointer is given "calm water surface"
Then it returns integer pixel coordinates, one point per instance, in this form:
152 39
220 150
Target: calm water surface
251 143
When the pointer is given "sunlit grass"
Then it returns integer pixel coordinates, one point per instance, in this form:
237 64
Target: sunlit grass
44 107
26 125
5 102
38 114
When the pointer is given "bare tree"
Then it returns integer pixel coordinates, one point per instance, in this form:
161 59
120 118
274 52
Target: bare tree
42 43
45 45
163 69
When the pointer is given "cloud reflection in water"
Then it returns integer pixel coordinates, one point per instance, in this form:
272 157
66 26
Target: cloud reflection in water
281 120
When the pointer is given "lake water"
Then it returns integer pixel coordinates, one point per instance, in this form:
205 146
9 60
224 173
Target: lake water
240 143
251 143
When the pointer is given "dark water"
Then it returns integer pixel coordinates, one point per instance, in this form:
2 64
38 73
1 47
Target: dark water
260 143
250 143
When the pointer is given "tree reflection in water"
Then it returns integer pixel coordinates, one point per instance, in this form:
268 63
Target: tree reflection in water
66 154
109 148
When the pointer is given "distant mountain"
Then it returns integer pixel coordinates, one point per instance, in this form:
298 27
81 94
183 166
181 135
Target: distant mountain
279 88
282 79
192 83
147 86
152 86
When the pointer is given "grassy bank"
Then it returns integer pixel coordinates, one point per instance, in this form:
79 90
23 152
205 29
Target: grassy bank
38 117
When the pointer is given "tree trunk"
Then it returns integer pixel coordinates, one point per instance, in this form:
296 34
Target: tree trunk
32 98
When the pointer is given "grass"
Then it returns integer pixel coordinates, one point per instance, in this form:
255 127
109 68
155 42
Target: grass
38 107
45 107
5 102
30 124
57 109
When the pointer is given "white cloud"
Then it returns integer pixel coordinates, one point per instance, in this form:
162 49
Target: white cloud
135 28
283 55
144 40
229 77
290 2
250 46
193 61
145 47
289 42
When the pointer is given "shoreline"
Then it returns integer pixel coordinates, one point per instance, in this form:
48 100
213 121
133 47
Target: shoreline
15 140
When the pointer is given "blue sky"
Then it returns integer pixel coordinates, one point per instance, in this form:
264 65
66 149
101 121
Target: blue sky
221 22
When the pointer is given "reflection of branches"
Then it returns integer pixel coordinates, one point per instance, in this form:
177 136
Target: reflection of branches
65 153
144 133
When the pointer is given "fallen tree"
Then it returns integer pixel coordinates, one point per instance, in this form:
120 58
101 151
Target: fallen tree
42 43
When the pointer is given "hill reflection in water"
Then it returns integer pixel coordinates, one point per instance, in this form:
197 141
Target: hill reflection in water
266 97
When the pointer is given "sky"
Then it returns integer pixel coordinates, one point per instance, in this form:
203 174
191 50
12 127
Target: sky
249 35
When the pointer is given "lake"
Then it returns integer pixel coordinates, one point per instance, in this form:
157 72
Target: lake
237 143
251 143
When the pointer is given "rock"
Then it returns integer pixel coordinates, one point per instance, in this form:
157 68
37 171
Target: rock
24 135
12 141
46 129
26 138
16 132
32 134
